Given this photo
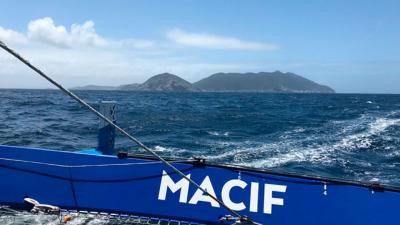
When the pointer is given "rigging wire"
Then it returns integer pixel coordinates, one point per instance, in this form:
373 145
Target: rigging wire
90 165
101 116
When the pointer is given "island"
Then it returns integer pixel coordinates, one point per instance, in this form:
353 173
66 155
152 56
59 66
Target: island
273 82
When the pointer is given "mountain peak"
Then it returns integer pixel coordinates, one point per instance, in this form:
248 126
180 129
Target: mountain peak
164 76
261 82
166 82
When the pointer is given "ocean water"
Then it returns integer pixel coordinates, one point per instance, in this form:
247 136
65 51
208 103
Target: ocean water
350 136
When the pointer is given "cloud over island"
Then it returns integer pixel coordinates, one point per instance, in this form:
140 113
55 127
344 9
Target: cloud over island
76 54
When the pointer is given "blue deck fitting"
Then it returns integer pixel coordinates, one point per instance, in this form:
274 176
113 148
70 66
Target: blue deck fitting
106 136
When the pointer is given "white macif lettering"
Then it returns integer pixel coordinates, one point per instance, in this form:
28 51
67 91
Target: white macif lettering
200 196
254 197
269 200
226 197
167 182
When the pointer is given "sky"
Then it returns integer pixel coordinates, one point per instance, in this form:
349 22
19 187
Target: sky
351 46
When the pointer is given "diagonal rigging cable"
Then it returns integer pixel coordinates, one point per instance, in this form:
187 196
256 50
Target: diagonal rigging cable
139 143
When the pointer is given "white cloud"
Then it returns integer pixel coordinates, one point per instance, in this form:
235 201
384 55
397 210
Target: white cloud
10 36
76 55
204 40
44 30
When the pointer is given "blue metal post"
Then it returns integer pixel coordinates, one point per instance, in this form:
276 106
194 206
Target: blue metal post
106 136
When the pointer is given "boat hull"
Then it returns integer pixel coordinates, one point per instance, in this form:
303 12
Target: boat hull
141 186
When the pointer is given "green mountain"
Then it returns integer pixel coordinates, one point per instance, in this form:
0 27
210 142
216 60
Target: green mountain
260 82
166 82
226 82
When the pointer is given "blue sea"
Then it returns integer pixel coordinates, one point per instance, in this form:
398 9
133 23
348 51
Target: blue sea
349 136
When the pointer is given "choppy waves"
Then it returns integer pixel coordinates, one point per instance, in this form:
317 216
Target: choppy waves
369 135
346 136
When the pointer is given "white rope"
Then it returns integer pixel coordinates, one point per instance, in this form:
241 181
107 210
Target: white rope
83 166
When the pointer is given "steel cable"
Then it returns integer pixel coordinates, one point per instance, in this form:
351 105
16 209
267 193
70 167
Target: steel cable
101 116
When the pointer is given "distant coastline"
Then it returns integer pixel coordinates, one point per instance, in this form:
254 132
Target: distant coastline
271 82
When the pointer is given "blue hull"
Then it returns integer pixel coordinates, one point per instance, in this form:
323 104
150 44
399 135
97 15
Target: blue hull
137 186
